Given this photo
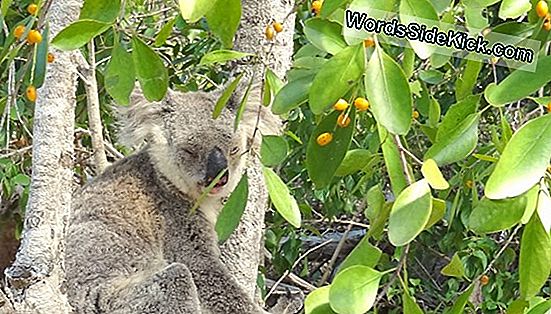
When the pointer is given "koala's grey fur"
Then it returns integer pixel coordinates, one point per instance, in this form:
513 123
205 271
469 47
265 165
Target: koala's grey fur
133 246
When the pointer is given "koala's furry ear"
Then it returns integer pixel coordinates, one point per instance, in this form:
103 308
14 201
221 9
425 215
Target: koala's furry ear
140 120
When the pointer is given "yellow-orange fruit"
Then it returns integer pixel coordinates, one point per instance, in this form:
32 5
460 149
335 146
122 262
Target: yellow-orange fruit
316 7
31 93
361 104
324 139
542 9
341 105
269 32
415 114
34 37
549 107
369 42
18 31
484 280
469 184
278 27
547 25
51 57
343 120
32 9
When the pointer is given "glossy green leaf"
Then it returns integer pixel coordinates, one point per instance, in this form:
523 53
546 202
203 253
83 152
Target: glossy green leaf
353 290
467 80
100 10
511 9
223 19
78 34
273 150
535 258
363 254
283 201
120 75
459 142
243 104
325 35
410 213
459 304
355 160
388 92
292 95
495 215
434 113
231 213
322 162
41 59
523 161
150 70
412 9
392 161
434 177
193 10
456 114
164 33
21 179
317 302
437 213
272 85
343 71
221 56
541 308
226 95
409 304
454 268
519 84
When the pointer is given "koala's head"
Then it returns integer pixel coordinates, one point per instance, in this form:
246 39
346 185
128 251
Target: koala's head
188 146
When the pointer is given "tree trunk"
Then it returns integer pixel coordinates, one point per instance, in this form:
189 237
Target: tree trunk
243 251
34 280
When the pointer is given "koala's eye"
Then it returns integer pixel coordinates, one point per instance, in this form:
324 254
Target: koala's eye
234 150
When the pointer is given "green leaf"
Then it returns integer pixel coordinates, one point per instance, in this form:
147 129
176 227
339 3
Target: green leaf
519 84
272 85
459 305
434 112
41 59
495 215
285 204
535 258
273 150
437 213
410 213
392 161
388 92
231 213
78 34
454 268
353 290
150 70
243 104
223 100
193 10
363 254
412 9
354 161
100 10
221 56
292 95
223 20
325 35
120 75
330 6
410 307
322 162
317 302
511 9
456 114
4 7
164 33
459 142
21 179
433 175
542 308
523 162
343 71
467 80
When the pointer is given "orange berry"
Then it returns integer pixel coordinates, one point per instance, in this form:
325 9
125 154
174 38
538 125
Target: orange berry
469 184
277 27
32 9
343 120
369 42
341 105
484 280
269 32
415 114
51 57
34 37
31 93
18 31
324 139
316 6
547 25
361 104
542 9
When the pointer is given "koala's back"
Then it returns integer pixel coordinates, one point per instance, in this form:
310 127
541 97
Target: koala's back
115 230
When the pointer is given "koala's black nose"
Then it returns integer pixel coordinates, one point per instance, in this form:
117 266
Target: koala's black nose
216 163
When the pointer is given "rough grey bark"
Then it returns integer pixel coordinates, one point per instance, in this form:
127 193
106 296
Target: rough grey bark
34 280
242 253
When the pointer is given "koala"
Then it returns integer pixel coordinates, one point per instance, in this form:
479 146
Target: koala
133 243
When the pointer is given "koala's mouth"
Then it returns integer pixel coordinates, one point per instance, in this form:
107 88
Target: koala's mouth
220 184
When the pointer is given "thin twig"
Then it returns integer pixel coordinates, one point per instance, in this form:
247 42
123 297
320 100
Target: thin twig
503 248
334 257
